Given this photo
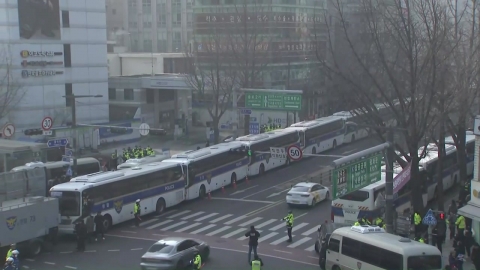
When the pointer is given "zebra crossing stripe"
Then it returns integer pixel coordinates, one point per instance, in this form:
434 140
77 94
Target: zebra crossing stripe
218 231
235 220
159 224
179 214
278 227
193 215
203 229
312 248
250 222
188 227
312 230
268 236
148 222
265 223
299 242
281 240
205 217
299 226
173 226
234 233
221 218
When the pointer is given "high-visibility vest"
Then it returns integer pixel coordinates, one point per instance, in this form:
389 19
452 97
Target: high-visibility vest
460 222
136 208
197 262
256 265
417 219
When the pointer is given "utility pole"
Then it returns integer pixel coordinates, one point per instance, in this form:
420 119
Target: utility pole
389 182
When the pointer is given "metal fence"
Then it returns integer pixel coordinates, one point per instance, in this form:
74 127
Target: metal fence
15 185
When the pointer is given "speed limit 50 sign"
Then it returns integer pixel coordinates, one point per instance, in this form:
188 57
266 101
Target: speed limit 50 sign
294 153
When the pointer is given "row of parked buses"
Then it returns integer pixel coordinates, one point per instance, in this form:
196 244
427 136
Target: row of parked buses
192 174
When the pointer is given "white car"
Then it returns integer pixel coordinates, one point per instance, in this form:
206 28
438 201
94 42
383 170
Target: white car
305 193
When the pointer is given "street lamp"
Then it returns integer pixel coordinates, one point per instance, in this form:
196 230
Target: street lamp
73 98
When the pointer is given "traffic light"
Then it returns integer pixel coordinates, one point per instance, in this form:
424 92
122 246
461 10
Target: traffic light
249 153
441 216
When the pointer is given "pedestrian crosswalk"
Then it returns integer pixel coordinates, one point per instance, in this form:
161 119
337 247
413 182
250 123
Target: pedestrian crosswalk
272 231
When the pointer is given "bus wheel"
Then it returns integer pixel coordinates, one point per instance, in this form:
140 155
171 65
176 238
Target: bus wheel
233 178
202 192
261 170
107 223
160 208
334 144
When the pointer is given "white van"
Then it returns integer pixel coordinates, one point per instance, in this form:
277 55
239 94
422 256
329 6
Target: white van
371 248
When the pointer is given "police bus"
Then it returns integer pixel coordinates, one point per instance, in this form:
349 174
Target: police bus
321 134
370 247
211 168
134 162
57 169
157 185
259 145
352 132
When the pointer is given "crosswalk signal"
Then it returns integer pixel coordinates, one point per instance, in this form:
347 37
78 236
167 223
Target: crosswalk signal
249 153
442 216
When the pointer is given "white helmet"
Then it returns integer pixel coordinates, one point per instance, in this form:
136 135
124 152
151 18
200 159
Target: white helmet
10 259
15 252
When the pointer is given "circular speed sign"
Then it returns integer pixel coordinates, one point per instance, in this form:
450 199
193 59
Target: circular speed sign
294 153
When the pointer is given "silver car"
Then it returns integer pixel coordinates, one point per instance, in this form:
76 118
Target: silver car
173 253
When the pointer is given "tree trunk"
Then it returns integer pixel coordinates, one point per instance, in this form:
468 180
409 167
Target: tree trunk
441 157
417 191
216 132
461 151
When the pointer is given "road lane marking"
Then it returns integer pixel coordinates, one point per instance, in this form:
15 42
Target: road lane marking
313 257
263 238
282 251
228 235
220 248
66 252
147 222
26 267
188 227
283 225
207 216
30 260
173 226
136 249
282 183
90 251
159 224
221 218
281 240
242 190
235 220
159 234
113 250
166 213
312 248
259 210
203 229
297 217
299 226
266 223
299 242
128 232
243 238
240 200
349 151
193 215
179 214
70 267
218 231
51 263
312 230
250 222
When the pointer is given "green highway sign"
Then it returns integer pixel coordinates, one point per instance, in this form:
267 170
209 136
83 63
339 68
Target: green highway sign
356 174
269 101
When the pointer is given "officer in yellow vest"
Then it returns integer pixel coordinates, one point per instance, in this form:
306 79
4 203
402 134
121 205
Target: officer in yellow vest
289 222
12 248
379 222
460 222
197 260
365 221
137 212
417 220
257 263
420 239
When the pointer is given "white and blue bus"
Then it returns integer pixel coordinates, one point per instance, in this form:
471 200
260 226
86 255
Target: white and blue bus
261 160
212 168
157 185
319 135
353 132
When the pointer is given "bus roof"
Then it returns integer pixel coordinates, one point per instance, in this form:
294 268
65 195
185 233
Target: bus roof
382 239
199 154
134 162
316 122
53 164
108 177
254 138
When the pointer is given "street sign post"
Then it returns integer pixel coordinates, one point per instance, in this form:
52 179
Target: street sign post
294 153
272 101
429 218
144 129
356 174
47 123
245 111
8 130
57 142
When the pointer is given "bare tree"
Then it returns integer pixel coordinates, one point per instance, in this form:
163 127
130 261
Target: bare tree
396 60
11 92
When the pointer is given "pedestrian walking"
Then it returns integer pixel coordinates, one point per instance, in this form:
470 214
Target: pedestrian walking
257 263
81 230
440 232
451 225
469 241
99 220
136 212
253 236
289 223
90 228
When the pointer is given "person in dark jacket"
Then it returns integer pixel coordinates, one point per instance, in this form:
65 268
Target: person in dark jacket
476 256
253 236
99 220
81 230
440 232
468 240
323 255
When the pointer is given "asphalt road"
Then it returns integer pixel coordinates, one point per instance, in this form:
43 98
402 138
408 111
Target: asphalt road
259 202
124 253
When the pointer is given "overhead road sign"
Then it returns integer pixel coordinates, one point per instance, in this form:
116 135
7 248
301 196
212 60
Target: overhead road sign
47 123
273 101
57 142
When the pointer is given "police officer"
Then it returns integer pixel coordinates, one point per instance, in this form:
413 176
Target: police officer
16 260
257 263
137 212
197 260
417 219
420 239
365 221
379 222
460 222
359 222
114 161
289 222
9 252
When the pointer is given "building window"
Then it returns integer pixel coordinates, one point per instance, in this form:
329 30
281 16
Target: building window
67 55
65 19
112 93
128 94
150 96
114 11
68 92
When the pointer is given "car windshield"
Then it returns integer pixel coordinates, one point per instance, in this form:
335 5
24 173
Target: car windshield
300 189
427 262
68 201
161 248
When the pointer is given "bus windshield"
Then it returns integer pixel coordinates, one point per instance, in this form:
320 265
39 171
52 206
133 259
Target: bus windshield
425 262
69 202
